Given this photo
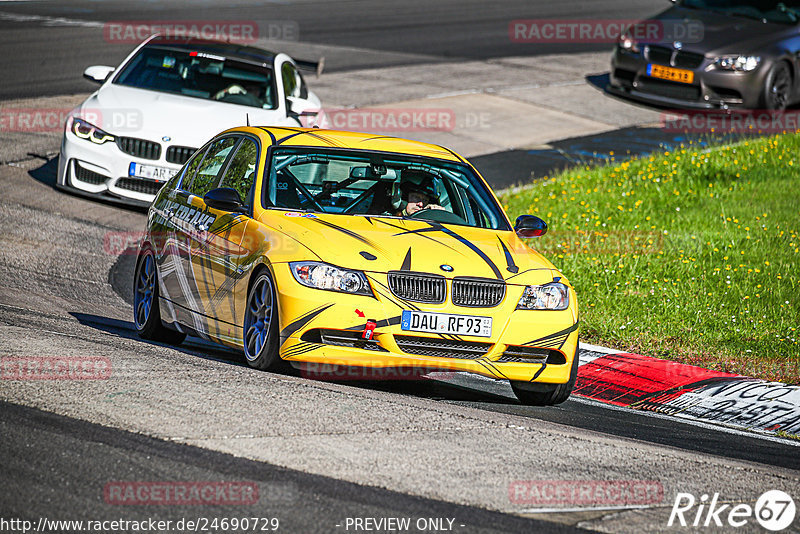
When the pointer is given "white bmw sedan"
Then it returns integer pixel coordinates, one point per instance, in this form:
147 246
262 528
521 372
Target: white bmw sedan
164 101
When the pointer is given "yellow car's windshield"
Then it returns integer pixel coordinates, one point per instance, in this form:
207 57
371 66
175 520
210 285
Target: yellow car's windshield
352 182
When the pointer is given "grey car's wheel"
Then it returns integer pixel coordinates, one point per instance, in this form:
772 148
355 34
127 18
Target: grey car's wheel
778 87
261 325
534 394
146 312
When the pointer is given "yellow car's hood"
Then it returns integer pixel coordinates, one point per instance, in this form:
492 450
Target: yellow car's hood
381 244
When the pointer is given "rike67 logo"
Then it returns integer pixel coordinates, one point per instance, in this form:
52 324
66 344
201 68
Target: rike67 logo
774 510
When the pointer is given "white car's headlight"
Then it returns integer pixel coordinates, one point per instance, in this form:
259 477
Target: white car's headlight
87 130
324 276
552 296
737 63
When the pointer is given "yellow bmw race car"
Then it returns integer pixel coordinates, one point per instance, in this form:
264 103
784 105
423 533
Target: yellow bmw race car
326 247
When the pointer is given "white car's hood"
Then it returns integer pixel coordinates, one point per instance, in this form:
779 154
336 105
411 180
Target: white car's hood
186 121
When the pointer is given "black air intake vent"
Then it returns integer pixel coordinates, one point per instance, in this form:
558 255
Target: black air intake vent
141 148
477 292
418 287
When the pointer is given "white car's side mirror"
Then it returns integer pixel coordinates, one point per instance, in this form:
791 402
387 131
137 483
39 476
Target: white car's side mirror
98 73
301 106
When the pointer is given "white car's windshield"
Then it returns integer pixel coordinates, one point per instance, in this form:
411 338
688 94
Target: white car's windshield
369 183
199 75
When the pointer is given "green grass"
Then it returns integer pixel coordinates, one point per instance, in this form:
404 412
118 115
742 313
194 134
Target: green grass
787 435
691 256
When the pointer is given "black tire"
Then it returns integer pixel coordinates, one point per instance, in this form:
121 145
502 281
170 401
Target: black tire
777 88
536 394
260 335
146 311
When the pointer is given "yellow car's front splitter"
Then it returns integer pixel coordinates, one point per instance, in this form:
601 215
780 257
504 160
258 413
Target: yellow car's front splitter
322 354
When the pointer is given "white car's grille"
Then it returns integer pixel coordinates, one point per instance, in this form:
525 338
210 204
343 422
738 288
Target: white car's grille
141 148
179 154
140 185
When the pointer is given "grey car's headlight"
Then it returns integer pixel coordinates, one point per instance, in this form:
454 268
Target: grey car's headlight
552 296
87 130
628 43
325 276
737 63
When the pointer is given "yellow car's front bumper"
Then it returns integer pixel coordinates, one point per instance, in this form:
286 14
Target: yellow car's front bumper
305 313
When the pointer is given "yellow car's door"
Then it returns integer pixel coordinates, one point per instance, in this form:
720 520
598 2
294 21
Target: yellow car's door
191 220
220 255
172 242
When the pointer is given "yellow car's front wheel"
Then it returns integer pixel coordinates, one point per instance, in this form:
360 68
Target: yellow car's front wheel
261 324
537 394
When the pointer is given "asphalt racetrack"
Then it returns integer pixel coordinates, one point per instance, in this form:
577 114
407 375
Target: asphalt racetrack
45 43
321 453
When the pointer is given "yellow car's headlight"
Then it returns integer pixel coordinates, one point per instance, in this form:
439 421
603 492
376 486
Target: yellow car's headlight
552 296
325 276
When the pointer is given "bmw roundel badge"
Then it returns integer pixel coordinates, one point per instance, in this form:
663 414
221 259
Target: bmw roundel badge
166 139
446 268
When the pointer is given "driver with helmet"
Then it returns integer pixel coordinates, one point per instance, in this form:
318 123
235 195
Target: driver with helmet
417 192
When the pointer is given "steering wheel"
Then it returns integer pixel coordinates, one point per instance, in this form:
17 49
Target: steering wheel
234 89
442 216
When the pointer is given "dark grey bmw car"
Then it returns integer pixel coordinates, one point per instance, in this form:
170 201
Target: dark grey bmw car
712 54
